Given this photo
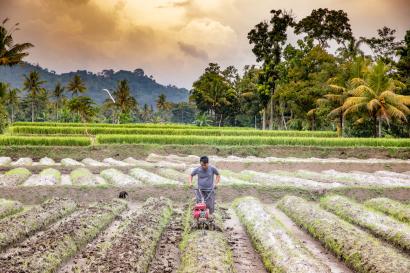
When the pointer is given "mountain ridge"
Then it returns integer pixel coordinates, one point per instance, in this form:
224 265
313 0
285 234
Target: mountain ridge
143 87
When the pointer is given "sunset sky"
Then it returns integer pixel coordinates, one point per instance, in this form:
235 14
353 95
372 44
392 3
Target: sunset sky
173 40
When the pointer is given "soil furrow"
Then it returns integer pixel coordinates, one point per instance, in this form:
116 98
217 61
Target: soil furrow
80 259
167 256
309 242
245 258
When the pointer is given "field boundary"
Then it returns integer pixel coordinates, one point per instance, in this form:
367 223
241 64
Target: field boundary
140 151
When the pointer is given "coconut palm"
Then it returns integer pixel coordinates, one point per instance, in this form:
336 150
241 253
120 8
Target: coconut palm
123 98
375 97
340 87
32 84
58 95
12 99
84 107
76 86
11 54
162 103
146 113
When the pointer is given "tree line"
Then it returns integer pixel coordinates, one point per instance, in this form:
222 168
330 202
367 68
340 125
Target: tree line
305 86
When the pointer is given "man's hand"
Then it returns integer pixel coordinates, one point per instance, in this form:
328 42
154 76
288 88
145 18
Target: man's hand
190 182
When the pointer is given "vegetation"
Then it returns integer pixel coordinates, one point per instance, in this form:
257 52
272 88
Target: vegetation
359 250
9 207
391 207
377 223
82 130
44 141
279 250
254 141
46 252
26 223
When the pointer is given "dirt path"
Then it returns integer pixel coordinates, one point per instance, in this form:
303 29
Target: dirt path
245 258
167 256
310 243
74 264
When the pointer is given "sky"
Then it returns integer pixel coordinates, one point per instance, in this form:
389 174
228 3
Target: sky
173 40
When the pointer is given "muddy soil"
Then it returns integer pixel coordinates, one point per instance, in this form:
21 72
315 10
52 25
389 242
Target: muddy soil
245 258
167 256
255 166
140 151
79 260
309 242
313 166
38 194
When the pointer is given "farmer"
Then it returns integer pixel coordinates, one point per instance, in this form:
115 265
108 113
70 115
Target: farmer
206 183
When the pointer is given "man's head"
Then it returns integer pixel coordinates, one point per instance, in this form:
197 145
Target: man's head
204 161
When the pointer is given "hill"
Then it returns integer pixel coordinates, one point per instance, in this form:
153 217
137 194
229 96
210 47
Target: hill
142 86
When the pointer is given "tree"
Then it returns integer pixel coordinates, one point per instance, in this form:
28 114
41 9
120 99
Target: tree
202 120
351 50
124 104
32 84
162 103
268 39
58 95
146 113
213 94
340 87
84 107
12 100
76 86
11 54
123 98
324 25
375 97
403 65
384 46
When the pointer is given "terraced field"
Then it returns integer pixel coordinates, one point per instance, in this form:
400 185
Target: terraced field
63 216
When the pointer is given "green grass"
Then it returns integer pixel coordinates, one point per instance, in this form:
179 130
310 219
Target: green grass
247 140
44 141
95 130
128 125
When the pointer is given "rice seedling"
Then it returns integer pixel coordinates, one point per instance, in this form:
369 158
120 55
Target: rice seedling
358 249
279 250
391 207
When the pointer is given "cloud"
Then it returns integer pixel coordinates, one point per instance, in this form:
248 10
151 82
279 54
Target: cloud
171 39
193 51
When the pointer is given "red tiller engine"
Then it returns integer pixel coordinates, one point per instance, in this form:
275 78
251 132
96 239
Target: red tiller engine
200 211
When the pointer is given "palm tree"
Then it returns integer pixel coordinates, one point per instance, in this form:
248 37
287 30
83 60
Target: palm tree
146 113
11 54
58 94
123 98
375 96
12 99
84 107
32 84
202 120
162 103
340 87
76 86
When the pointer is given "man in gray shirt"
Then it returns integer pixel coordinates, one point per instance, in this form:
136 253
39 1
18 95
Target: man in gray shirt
206 183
